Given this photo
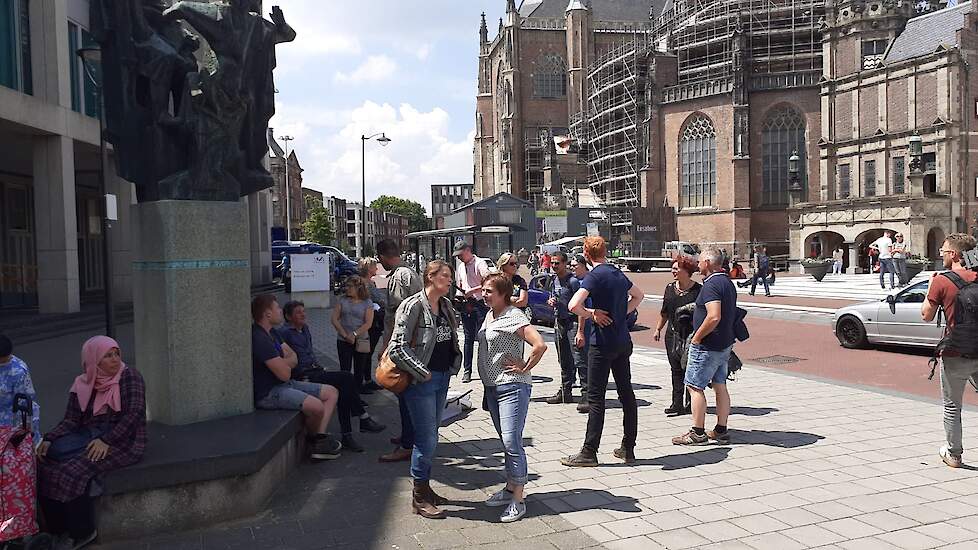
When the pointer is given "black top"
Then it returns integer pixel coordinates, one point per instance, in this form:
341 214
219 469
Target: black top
672 301
717 288
443 357
264 346
519 283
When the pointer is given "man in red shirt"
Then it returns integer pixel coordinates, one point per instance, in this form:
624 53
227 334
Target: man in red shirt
956 368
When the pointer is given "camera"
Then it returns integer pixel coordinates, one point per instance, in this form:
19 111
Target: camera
970 259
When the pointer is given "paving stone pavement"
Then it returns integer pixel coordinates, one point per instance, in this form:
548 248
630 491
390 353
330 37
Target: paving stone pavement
811 465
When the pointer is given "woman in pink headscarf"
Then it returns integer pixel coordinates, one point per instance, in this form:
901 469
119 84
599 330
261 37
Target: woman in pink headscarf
103 429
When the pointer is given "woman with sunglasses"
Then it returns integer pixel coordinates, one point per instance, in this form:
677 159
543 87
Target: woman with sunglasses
508 264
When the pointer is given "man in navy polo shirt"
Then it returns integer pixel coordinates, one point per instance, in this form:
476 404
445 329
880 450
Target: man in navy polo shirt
613 297
709 350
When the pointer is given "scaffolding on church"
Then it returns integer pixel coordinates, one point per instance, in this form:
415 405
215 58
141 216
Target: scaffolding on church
783 36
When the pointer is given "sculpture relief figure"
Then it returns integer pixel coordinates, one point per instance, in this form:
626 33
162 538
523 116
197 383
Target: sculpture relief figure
187 126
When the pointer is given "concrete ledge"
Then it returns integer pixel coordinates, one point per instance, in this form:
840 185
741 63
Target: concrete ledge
199 474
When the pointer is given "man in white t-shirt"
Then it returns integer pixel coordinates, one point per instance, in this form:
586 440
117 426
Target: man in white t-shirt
470 271
884 245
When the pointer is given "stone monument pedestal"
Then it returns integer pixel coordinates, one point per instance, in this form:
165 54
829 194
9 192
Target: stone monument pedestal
191 301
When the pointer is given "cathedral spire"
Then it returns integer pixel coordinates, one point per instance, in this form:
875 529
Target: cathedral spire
510 6
575 5
483 30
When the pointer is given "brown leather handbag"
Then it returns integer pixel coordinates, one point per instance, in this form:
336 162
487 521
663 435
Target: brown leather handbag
390 377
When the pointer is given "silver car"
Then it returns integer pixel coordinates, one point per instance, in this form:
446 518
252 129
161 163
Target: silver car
893 320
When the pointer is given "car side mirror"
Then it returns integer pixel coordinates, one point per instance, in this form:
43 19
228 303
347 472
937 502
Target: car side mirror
891 299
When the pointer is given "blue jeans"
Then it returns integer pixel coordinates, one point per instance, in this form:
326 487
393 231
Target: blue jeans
471 323
75 443
407 430
508 406
886 266
760 274
426 403
705 367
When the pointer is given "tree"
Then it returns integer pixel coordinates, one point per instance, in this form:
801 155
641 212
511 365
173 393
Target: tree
318 228
415 213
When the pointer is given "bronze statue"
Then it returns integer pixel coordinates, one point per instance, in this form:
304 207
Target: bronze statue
183 114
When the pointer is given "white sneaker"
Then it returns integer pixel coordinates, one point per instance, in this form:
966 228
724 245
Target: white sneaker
501 498
513 512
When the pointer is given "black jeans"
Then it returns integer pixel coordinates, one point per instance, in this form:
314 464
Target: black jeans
347 385
564 336
602 361
471 323
760 274
680 393
350 357
407 429
75 517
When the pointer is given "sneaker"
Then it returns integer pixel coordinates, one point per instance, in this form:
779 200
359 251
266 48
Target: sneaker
502 497
626 454
400 454
467 377
513 512
720 438
951 460
673 411
691 438
583 459
351 444
325 448
583 406
370 425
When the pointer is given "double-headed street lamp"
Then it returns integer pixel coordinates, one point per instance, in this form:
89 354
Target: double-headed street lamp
383 140
91 57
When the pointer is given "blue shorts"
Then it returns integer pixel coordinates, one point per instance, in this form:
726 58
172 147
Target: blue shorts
704 366
289 395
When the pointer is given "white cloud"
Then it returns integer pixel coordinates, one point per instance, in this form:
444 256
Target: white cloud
374 69
420 152
325 44
423 51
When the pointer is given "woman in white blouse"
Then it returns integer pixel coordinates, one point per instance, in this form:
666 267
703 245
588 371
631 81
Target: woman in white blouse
508 383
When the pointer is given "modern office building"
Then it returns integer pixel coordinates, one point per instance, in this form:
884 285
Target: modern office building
447 198
356 242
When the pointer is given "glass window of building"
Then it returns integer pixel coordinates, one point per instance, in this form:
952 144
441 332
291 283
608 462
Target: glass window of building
869 178
845 181
698 160
899 175
509 216
550 77
15 45
782 136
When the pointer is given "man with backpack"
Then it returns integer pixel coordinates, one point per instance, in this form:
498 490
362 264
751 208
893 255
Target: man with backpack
956 292
762 264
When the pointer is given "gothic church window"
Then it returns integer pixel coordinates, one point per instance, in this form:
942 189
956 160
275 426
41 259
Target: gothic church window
783 134
698 163
550 77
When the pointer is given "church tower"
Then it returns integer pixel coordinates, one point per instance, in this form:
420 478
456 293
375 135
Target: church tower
580 54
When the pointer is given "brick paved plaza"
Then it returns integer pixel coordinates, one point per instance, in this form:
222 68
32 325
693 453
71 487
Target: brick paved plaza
812 465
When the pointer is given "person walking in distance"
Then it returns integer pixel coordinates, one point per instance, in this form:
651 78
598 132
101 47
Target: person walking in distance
508 385
582 332
470 271
956 291
762 265
613 297
401 283
884 248
678 303
545 262
565 327
899 252
709 350
837 261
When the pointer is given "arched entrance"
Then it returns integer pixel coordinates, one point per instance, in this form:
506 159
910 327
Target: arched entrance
822 244
862 241
935 238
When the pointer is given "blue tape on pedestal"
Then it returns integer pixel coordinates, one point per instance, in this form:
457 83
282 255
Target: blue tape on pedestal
174 265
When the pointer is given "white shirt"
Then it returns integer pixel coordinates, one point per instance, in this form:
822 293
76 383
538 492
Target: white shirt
470 275
883 244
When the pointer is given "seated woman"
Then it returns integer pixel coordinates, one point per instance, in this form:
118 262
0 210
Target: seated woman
103 429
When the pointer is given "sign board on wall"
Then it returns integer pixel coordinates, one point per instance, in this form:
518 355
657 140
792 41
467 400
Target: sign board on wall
592 230
310 272
555 225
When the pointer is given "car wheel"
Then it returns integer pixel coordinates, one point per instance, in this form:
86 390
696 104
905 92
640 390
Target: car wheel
851 333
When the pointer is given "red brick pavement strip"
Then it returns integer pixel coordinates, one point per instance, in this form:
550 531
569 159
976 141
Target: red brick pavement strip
893 369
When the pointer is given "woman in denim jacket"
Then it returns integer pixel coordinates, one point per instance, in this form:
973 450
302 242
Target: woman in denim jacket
424 344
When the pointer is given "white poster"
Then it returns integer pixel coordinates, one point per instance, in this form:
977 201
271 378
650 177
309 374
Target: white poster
555 225
592 230
310 272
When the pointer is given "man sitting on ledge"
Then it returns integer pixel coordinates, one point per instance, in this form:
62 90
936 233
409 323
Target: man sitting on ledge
272 362
295 333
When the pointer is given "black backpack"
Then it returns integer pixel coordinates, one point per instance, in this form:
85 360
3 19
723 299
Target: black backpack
963 336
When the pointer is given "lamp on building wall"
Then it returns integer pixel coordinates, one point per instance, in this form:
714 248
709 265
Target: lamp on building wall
916 146
794 181
91 58
383 140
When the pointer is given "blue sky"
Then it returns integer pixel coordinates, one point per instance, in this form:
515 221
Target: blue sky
406 68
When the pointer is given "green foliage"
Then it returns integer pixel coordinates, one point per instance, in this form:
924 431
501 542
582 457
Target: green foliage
415 213
318 228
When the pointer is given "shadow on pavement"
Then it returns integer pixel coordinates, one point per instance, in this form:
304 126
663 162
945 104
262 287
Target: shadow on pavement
745 411
536 505
683 460
785 440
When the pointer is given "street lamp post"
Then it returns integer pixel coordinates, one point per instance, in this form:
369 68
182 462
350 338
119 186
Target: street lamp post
383 140
90 57
916 149
288 190
794 180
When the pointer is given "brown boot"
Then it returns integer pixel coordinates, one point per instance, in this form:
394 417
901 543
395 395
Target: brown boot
421 502
433 496
399 454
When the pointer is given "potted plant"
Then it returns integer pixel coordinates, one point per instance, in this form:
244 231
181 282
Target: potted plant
916 264
817 267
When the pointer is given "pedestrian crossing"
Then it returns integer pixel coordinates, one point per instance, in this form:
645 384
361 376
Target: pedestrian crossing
862 287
